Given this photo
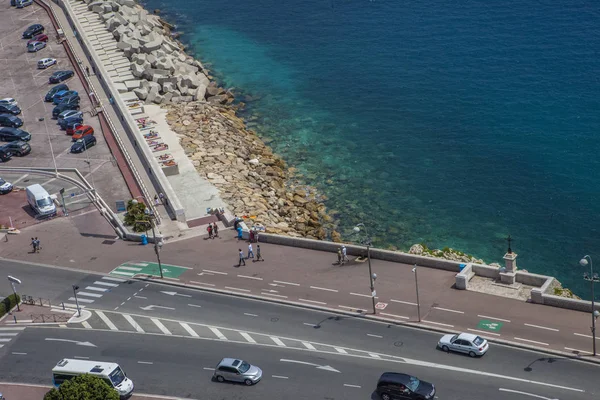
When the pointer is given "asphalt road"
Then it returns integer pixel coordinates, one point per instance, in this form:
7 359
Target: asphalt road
182 367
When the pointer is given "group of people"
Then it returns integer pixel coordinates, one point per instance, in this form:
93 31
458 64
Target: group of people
213 230
35 243
342 255
250 255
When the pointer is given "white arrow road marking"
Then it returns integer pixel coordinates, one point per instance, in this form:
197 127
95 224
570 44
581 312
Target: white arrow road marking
150 308
323 367
525 394
78 343
176 294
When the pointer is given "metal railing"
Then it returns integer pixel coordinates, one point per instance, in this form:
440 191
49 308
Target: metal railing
35 301
47 318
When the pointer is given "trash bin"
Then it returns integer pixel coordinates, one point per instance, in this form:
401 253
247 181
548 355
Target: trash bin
144 239
461 267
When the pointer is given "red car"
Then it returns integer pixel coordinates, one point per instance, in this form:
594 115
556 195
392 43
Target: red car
84 130
71 129
38 38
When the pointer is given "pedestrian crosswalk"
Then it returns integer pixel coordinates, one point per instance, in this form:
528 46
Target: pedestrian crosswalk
114 321
9 333
94 291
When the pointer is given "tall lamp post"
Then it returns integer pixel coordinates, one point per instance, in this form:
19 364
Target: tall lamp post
75 289
12 281
592 278
372 276
157 243
417 287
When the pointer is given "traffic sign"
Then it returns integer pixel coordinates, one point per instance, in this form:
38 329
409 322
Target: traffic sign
488 325
381 306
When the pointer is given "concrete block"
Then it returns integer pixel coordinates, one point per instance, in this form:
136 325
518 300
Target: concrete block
137 70
121 88
133 84
158 99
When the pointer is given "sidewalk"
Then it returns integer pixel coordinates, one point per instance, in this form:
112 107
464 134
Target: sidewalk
22 391
309 278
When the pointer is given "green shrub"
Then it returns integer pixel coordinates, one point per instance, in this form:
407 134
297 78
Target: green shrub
83 387
135 214
8 303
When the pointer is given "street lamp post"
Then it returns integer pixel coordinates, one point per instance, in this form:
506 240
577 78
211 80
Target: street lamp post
592 278
417 287
75 289
372 276
12 281
157 243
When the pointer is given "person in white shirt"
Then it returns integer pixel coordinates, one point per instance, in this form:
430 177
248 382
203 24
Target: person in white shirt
250 252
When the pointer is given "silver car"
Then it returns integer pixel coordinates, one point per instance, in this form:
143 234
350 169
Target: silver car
232 369
467 343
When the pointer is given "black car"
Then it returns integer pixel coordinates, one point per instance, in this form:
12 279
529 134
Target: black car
10 121
392 386
60 76
83 144
33 30
70 99
65 122
5 155
18 149
12 134
8 109
55 90
64 107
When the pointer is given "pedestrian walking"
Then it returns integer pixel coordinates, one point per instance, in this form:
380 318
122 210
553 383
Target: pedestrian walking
156 202
236 222
215 229
250 252
258 256
344 255
339 254
210 232
87 70
242 261
161 196
37 245
33 245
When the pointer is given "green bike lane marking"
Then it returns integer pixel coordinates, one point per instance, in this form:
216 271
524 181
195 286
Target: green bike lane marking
489 325
133 268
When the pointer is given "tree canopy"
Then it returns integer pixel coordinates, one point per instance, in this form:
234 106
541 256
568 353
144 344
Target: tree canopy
83 387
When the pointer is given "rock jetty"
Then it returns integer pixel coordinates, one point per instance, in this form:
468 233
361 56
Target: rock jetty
446 253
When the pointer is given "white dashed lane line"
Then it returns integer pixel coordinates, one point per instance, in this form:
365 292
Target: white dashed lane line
493 318
250 277
214 272
145 362
360 294
19 354
531 341
313 301
251 315
375 336
403 302
541 327
279 377
208 369
194 305
352 386
309 324
449 310
287 283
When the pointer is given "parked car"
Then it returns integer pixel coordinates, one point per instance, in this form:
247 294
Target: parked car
467 343
60 76
33 30
35 46
231 369
5 187
72 127
69 114
5 155
10 121
24 3
60 95
83 144
6 109
62 107
8 101
65 122
83 131
58 88
42 37
70 99
14 134
46 62
393 385
18 149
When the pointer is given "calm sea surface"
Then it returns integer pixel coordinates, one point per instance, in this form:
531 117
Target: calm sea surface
443 122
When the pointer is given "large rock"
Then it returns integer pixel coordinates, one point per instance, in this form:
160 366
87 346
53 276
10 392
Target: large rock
152 60
152 93
97 4
166 64
121 31
168 87
137 70
127 3
218 99
154 74
158 99
214 90
152 46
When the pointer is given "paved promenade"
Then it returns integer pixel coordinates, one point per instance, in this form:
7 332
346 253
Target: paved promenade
309 278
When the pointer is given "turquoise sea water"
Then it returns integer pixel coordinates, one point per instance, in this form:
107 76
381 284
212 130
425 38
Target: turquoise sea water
443 122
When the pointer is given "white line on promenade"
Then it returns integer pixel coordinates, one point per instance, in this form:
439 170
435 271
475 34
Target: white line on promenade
312 301
202 283
483 332
161 326
218 333
214 272
273 294
233 288
188 329
497 319
287 283
376 336
532 341
107 321
404 302
250 277
322 288
352 386
393 315
438 323
449 310
350 308
360 294
541 327
587 336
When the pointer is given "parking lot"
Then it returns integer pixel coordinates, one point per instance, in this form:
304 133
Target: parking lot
28 85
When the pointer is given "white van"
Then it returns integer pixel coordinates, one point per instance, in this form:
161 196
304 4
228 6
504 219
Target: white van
111 373
40 200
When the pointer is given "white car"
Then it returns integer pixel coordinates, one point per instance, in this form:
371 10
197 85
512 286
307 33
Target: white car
9 101
46 62
467 343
